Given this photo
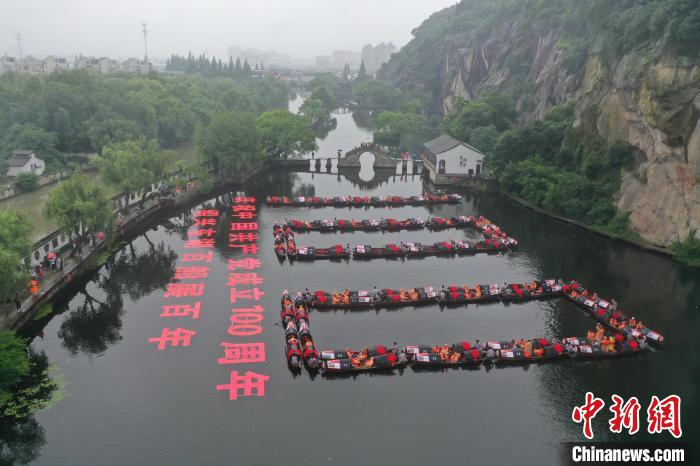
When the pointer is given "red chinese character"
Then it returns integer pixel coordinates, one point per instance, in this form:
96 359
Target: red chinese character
246 248
625 415
244 200
243 208
202 232
207 213
244 321
177 337
249 383
246 264
587 412
200 243
244 226
236 353
245 215
665 415
181 310
253 294
185 273
197 256
179 290
242 237
244 279
205 222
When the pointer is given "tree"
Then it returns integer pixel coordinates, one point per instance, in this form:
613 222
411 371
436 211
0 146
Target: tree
133 165
28 181
246 68
362 73
231 142
315 111
15 247
284 134
79 205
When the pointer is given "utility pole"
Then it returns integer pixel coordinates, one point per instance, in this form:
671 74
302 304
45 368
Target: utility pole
19 44
145 43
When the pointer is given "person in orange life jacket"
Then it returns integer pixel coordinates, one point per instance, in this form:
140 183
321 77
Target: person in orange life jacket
632 321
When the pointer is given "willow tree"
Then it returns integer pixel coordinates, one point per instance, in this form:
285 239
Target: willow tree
15 228
284 134
134 165
79 205
231 142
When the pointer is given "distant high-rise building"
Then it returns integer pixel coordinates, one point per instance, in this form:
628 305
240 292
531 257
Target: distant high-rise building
375 57
324 61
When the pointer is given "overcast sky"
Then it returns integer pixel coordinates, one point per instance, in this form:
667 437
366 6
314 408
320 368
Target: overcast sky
301 28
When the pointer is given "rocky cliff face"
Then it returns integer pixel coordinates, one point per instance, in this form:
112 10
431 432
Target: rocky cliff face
652 104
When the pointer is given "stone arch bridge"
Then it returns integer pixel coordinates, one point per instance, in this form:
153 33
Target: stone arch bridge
382 159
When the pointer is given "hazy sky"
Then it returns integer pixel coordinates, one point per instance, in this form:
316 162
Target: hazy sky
301 28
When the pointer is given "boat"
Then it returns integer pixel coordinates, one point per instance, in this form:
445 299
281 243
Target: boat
406 297
441 223
508 353
443 198
368 252
391 224
519 292
443 248
280 248
600 309
314 225
293 346
310 253
454 295
375 359
585 349
345 300
287 313
426 356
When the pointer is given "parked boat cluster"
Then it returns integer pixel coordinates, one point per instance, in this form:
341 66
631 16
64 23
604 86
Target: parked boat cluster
363 201
628 336
495 240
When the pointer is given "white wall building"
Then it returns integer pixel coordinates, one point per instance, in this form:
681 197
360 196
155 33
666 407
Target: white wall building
24 161
447 158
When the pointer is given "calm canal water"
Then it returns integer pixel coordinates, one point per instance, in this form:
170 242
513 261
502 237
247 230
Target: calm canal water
131 404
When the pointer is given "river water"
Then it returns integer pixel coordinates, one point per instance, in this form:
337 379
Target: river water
129 403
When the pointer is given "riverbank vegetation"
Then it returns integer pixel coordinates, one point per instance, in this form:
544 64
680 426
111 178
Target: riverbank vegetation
15 229
81 112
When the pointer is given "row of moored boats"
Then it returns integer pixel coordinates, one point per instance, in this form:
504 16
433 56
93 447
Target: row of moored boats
363 201
495 240
628 336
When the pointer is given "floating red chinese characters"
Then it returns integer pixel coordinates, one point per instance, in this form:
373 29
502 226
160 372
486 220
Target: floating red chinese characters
177 337
237 353
248 384
253 294
246 264
244 279
182 310
188 273
180 290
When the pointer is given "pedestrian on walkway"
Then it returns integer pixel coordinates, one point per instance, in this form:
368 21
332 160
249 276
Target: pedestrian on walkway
59 261
18 303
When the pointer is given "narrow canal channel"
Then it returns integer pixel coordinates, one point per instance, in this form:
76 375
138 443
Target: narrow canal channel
129 403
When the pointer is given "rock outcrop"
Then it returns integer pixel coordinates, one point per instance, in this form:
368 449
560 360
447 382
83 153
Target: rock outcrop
651 103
